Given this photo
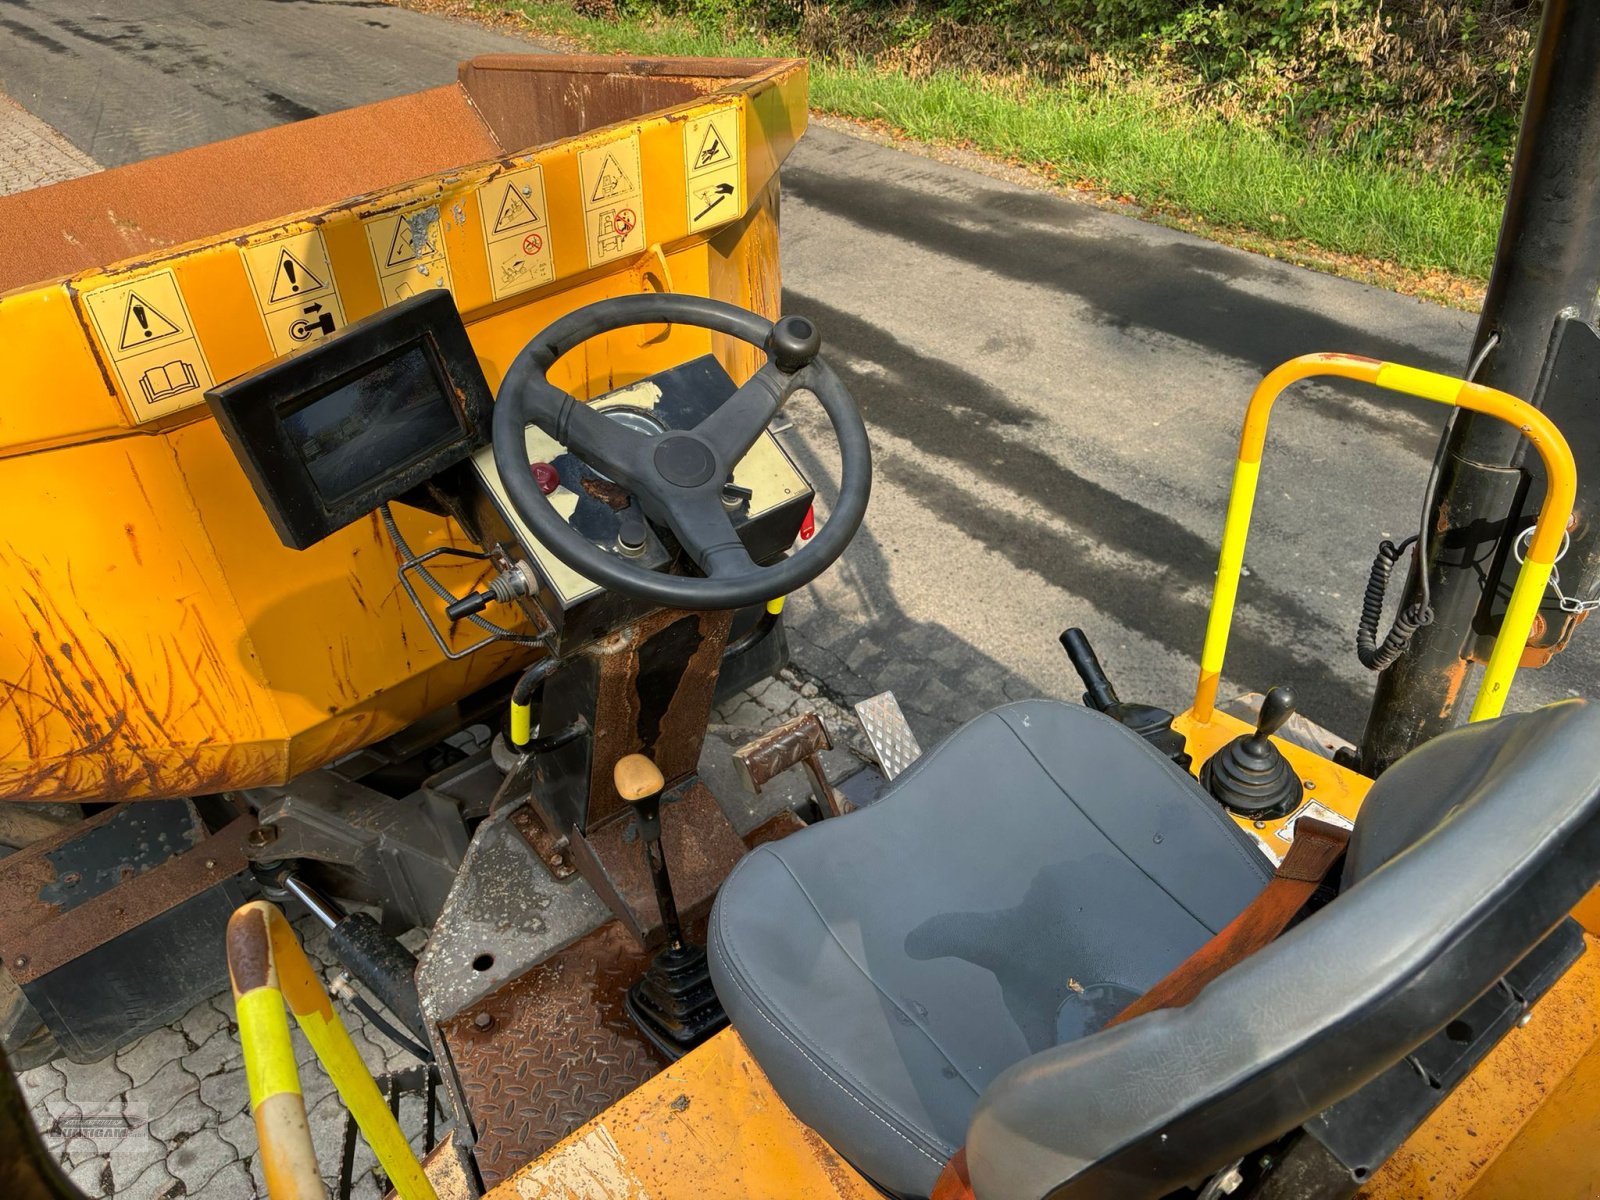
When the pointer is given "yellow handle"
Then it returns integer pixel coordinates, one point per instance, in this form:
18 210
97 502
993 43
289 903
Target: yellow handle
1554 513
267 968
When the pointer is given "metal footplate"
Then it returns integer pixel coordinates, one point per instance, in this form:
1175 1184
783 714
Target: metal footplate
891 739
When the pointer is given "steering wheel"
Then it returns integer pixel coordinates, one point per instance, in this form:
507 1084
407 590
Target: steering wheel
677 476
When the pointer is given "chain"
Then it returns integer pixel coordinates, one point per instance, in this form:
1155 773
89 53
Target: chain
1569 604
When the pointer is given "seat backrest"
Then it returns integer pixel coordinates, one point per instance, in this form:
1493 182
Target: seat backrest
1467 853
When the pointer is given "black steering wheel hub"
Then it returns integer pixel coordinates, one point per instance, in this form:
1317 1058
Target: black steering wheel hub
677 477
683 460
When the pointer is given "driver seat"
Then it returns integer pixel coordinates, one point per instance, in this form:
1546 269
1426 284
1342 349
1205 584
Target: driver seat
932 971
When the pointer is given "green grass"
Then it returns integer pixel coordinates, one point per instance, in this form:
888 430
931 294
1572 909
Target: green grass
1133 141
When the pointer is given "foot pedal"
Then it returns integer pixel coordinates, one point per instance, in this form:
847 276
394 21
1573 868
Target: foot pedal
799 742
891 739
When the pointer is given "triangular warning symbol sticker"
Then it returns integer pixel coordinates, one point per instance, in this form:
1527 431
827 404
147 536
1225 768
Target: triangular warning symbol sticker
403 247
292 278
142 324
514 211
613 181
713 150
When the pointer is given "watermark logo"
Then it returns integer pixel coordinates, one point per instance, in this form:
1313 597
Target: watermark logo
107 1127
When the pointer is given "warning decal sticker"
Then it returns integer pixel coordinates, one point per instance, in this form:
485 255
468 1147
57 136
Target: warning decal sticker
613 201
144 327
711 165
293 285
516 236
408 252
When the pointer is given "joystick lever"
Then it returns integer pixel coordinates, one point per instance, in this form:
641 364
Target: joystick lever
1153 724
674 1004
1250 775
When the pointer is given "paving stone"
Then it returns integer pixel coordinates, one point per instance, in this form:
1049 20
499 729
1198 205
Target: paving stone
325 1117
92 1177
133 1155
32 154
93 1083
43 1084
158 1095
232 1182
749 716
150 1053
239 1131
213 1055
227 1093
201 1157
203 1020
185 1118
154 1182
75 1149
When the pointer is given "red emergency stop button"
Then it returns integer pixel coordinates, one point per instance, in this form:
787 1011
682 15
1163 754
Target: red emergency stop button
546 476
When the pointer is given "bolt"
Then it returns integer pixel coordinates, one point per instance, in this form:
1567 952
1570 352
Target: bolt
1522 1021
71 879
211 864
1230 1182
482 1021
20 961
1311 785
555 860
261 837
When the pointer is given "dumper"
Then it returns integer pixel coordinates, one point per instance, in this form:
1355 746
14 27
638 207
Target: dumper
159 639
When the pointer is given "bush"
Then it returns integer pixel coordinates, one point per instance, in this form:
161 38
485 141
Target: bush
1433 84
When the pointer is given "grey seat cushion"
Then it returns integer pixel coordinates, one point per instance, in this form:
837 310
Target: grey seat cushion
1015 889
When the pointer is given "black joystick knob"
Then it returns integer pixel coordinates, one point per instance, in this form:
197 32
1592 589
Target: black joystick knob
793 343
1250 775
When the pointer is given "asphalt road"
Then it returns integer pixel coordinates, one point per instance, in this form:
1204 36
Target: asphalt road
1054 390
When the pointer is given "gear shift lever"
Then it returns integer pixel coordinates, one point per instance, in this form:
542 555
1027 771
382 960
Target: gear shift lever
1250 775
674 1003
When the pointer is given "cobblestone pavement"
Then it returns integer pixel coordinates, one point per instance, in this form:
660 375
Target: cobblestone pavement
32 154
183 1086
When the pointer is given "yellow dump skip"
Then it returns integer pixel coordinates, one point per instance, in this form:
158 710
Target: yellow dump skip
156 639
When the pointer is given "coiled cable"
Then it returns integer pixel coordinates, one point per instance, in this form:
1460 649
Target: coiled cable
1406 622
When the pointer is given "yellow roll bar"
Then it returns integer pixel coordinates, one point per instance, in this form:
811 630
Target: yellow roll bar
267 968
1554 513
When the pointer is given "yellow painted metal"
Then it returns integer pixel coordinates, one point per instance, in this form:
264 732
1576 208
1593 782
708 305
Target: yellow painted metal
775 605
1526 1123
155 638
262 944
1544 547
709 1127
521 723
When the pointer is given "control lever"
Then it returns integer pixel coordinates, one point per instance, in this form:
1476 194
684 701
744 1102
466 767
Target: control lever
1153 724
1250 775
674 1004
382 964
504 587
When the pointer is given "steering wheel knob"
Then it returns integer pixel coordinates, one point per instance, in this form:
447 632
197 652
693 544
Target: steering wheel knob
793 343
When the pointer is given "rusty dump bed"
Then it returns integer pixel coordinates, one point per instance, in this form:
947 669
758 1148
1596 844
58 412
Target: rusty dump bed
156 639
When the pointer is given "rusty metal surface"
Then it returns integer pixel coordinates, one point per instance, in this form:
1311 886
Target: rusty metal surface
774 829
775 751
797 743
655 708
701 848
550 1050
41 948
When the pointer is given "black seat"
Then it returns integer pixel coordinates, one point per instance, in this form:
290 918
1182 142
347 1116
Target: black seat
933 970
